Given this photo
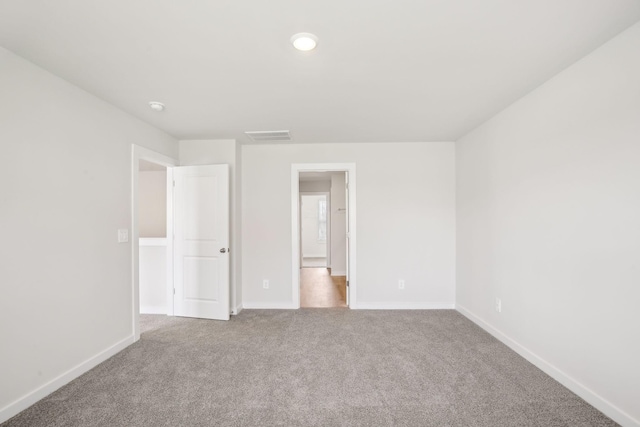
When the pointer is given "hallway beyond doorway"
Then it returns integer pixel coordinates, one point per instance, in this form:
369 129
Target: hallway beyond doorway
321 290
314 262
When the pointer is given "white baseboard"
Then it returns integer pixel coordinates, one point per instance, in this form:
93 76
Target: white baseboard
288 305
557 374
338 273
30 398
404 306
151 309
237 310
359 306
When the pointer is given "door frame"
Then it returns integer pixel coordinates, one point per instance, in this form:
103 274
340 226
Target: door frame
141 153
296 168
327 251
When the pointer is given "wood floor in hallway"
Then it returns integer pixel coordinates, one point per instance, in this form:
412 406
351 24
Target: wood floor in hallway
319 289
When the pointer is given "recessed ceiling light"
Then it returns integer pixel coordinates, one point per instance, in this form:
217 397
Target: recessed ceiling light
156 106
304 41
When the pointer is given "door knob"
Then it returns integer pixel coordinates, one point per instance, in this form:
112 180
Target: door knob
223 250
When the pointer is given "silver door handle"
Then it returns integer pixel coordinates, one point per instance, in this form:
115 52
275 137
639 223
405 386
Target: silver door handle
223 250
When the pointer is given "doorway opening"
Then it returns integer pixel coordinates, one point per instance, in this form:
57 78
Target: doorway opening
195 243
319 286
152 241
323 230
151 224
315 228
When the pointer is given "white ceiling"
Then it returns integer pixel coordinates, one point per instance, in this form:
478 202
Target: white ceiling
383 70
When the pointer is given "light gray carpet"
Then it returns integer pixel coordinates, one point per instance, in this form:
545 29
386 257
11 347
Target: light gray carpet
314 367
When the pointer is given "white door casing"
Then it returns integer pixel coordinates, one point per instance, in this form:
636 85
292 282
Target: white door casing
201 242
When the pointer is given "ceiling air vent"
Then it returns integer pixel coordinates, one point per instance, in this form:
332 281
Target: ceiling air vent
269 135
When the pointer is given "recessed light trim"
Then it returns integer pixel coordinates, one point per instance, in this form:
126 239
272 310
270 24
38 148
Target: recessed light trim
304 41
156 106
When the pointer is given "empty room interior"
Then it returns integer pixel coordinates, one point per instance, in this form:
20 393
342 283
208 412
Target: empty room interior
336 213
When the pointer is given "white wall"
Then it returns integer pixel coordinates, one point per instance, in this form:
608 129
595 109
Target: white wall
405 221
66 281
338 225
223 151
549 221
153 275
310 222
315 186
152 213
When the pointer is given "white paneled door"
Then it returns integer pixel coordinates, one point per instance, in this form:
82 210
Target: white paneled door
348 236
201 245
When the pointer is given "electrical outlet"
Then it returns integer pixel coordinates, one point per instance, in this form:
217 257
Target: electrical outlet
265 284
400 284
498 305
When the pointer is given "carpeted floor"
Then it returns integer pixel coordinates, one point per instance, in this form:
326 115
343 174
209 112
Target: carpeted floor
314 367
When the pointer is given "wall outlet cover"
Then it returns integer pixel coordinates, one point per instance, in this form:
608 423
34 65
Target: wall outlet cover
123 235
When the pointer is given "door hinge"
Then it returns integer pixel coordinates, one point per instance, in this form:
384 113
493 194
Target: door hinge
174 291
174 182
